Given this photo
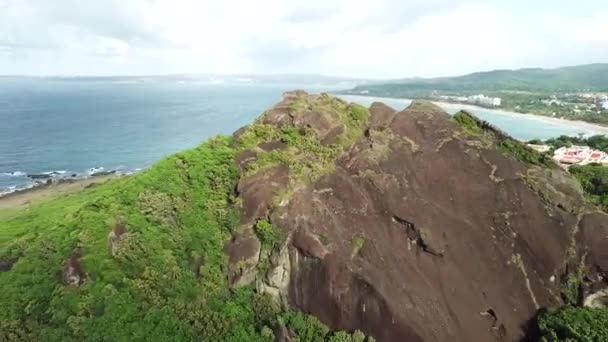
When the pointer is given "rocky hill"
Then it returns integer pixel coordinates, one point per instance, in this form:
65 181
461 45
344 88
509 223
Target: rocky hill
322 220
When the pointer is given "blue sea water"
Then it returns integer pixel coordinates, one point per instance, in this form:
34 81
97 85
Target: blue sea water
72 125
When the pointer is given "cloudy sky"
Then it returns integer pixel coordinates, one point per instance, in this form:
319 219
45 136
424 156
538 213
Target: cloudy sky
379 39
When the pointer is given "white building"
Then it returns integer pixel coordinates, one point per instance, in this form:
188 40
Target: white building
483 100
605 104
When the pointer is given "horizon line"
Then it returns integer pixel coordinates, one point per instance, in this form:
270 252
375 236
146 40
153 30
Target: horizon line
75 75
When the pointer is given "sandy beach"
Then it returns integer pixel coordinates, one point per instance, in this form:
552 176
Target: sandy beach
27 197
584 127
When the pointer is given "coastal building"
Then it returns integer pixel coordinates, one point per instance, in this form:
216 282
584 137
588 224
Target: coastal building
580 155
483 100
605 104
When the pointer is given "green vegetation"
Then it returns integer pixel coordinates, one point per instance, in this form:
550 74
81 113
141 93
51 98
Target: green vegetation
324 239
148 290
309 328
592 77
594 179
511 147
599 142
357 244
570 323
570 288
468 123
165 278
524 154
269 235
306 157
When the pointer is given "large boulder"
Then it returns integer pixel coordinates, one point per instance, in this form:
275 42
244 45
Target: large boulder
423 229
429 236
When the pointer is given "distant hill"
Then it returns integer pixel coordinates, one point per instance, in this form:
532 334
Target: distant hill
593 77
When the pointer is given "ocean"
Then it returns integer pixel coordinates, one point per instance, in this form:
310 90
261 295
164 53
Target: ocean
65 126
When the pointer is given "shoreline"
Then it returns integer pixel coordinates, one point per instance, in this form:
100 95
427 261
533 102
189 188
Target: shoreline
25 197
561 121
578 124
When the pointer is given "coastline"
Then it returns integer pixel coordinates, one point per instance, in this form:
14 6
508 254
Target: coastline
578 124
25 197
575 123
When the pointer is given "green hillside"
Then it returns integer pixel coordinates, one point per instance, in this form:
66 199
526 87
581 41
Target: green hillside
592 77
142 258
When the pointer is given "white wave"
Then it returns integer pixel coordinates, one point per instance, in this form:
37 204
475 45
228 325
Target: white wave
95 170
58 172
14 174
14 188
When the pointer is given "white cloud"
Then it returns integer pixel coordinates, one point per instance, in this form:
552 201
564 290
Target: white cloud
384 38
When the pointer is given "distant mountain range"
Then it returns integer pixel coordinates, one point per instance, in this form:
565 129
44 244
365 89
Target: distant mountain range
590 77
240 78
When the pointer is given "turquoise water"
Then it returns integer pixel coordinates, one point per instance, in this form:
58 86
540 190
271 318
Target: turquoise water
72 125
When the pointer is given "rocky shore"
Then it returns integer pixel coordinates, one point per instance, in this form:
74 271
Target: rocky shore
51 188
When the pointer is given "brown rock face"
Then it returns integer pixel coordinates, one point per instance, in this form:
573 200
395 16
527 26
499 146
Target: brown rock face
72 273
245 158
114 237
424 232
450 229
258 191
244 254
272 145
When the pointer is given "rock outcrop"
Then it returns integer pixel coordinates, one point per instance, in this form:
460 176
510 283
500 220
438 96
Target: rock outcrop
73 274
420 230
114 237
